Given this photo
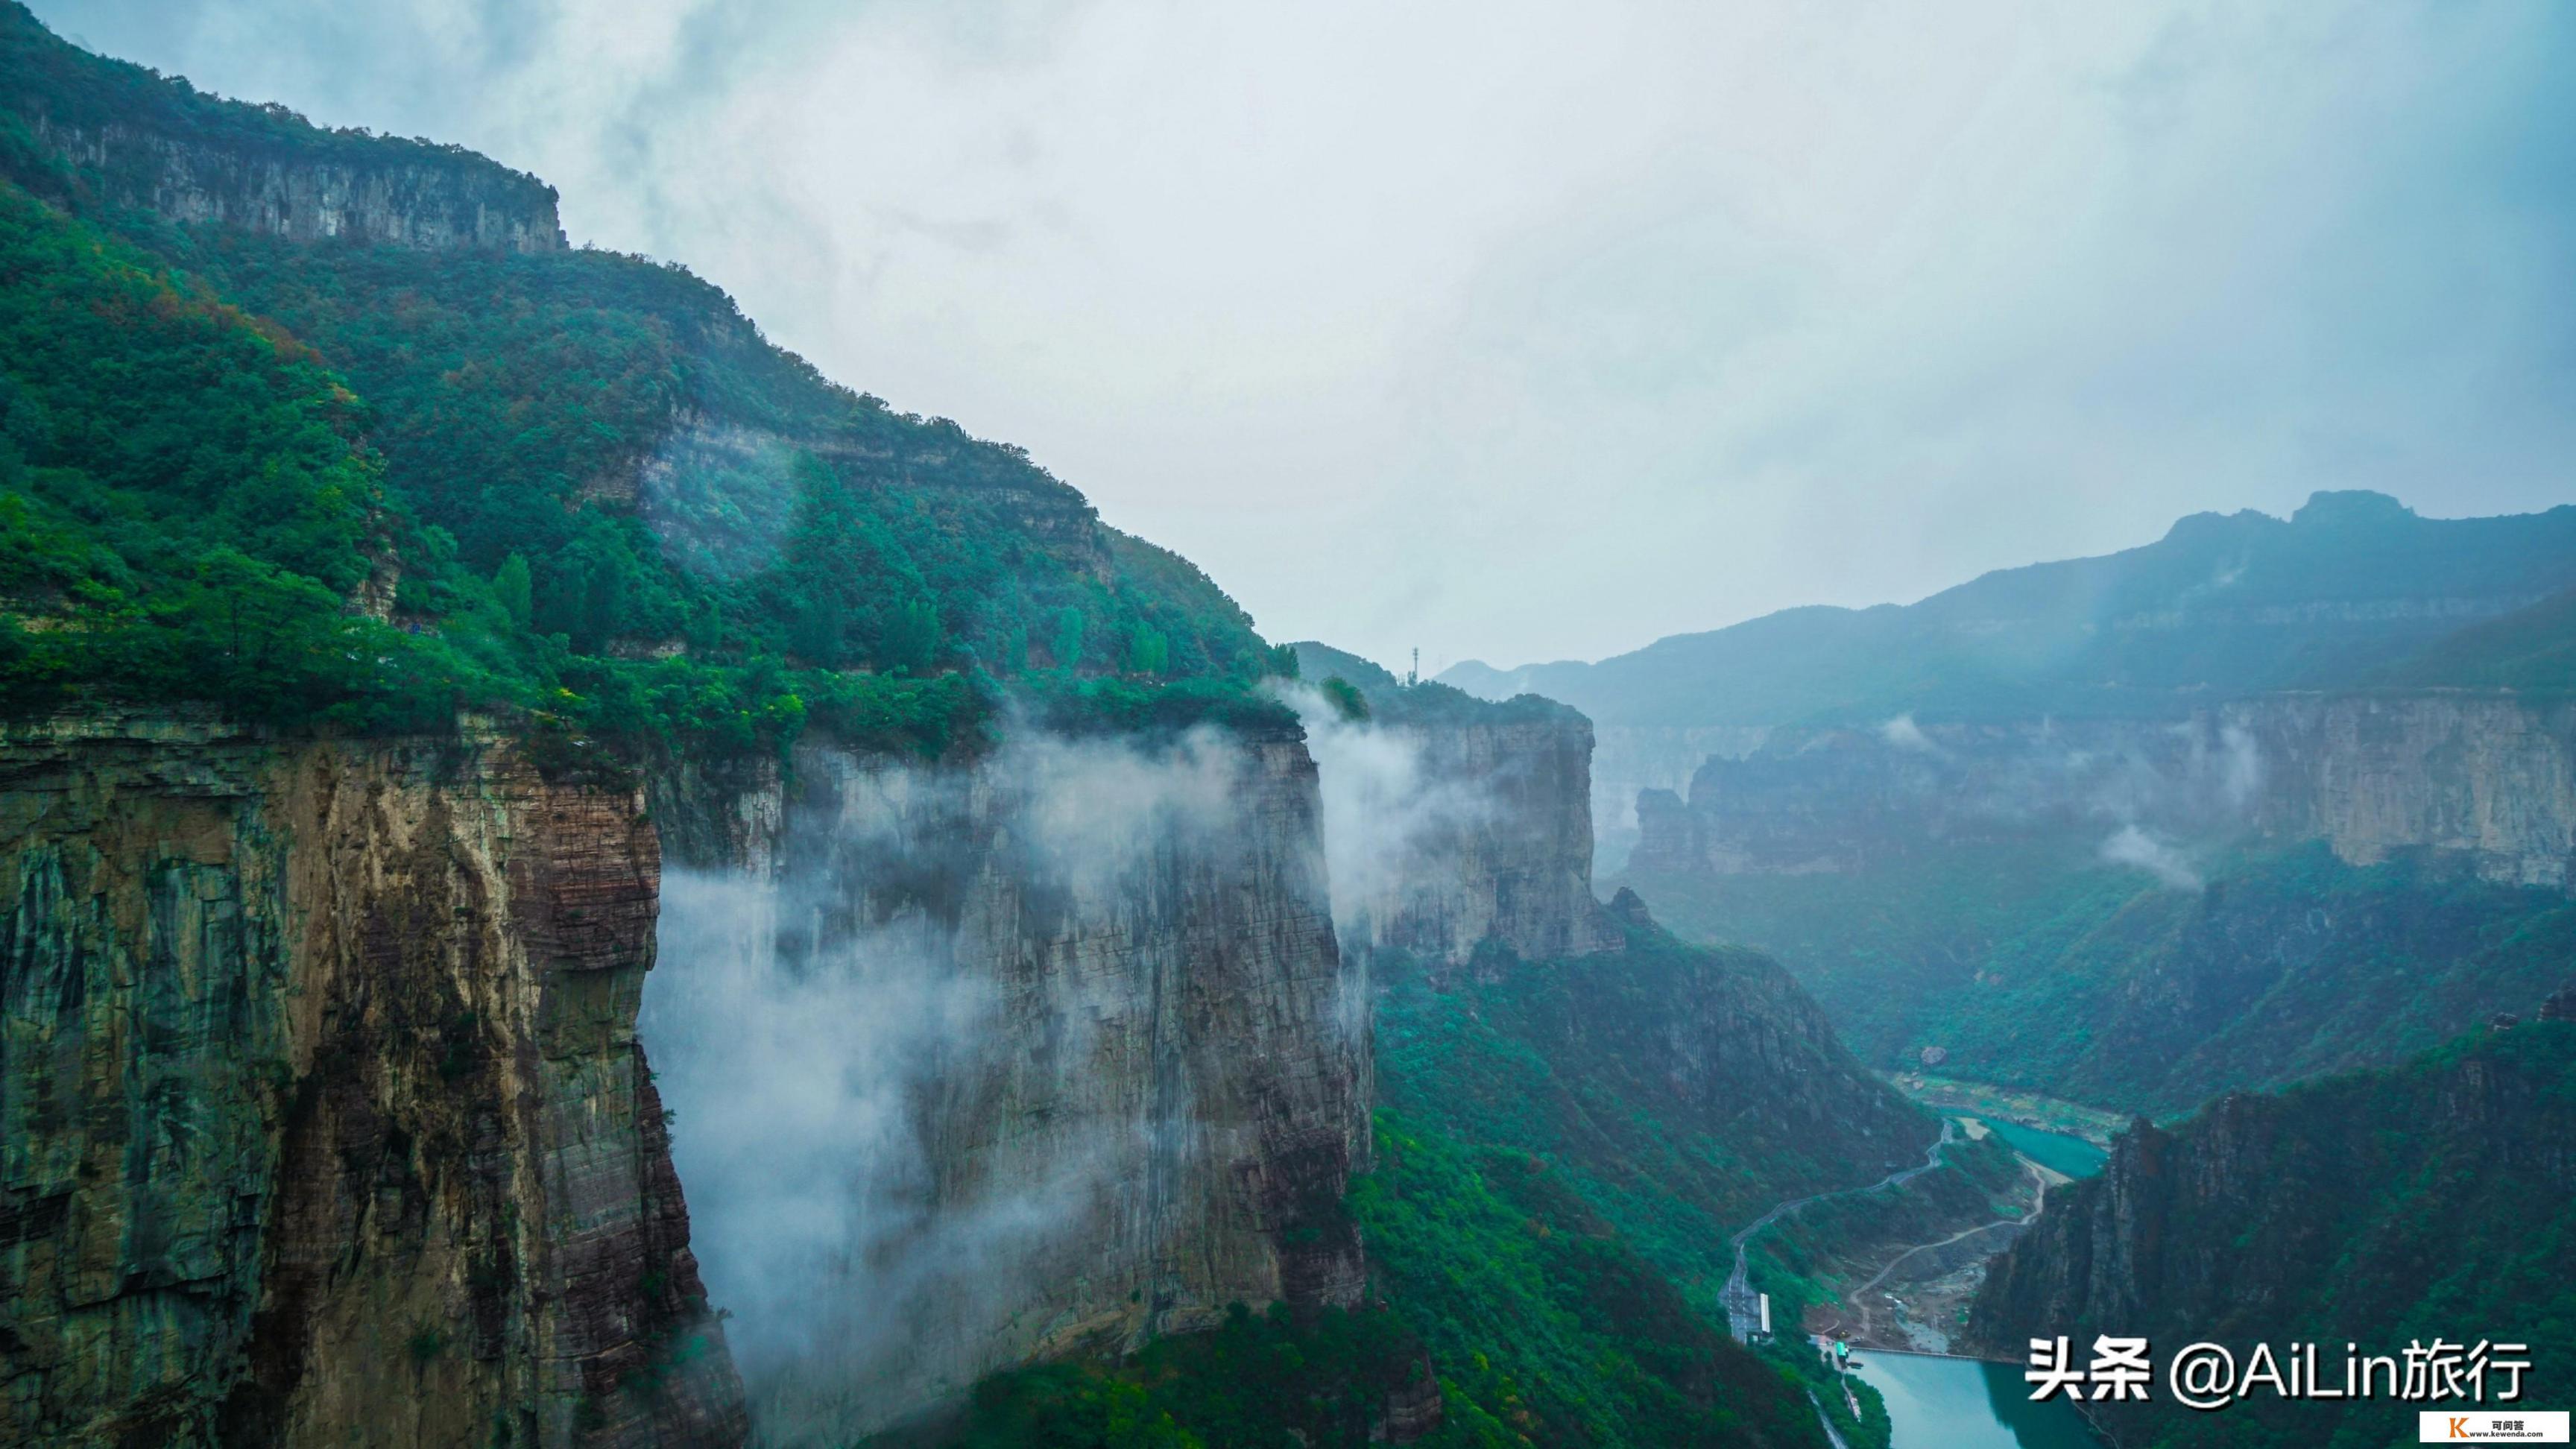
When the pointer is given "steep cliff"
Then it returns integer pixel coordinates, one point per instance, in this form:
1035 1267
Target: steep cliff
322 1118
1508 862
198 158
2141 913
1630 759
2487 777
1844 800
1091 1065
1457 824
2429 1201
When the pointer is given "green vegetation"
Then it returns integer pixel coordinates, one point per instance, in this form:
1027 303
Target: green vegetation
2428 1200
184 504
2222 605
2531 651
1539 1134
1543 1317
2034 966
363 487
1567 1060
1258 1381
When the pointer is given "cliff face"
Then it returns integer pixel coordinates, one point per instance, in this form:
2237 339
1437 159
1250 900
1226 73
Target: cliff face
1455 823
2327 1213
1630 759
2487 779
1494 844
1844 800
322 1119
1100 1069
2483 777
411 195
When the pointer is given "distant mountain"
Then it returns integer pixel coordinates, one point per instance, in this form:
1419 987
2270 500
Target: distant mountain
2222 605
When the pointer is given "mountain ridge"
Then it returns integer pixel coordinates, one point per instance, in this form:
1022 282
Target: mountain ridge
2315 599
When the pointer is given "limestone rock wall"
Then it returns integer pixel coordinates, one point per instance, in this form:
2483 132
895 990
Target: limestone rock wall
2365 1208
322 1118
1499 847
2487 777
1123 1061
408 194
1840 800
1627 759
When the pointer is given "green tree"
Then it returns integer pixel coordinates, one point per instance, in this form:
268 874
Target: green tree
912 637
1346 699
510 585
1149 651
1068 639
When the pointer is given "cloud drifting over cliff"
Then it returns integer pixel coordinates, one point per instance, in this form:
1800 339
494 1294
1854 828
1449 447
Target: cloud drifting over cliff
832 1038
1454 323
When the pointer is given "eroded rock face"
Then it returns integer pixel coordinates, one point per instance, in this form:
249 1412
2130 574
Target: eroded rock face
1842 801
432 200
1629 758
2485 776
2371 1208
1499 851
322 1118
1075 1056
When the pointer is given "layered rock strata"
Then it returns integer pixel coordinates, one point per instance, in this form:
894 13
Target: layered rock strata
322 1117
1086 997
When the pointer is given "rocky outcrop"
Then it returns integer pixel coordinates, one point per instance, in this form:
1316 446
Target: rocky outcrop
1627 759
432 199
1842 800
1459 824
1497 849
2370 1208
1088 996
125 138
322 1118
2487 778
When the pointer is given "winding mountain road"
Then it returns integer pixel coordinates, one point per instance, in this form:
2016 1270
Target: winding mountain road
1860 1297
1743 1305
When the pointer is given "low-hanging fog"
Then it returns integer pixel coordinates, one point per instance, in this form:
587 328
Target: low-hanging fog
830 1034
815 1031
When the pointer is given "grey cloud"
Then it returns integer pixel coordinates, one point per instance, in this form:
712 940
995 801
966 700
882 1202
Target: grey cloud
1532 330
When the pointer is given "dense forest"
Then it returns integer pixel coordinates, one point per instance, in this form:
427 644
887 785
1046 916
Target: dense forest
2036 964
359 486
2415 1203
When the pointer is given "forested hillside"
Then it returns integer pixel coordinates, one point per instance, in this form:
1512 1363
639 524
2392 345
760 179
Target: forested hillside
2426 1201
414 471
2222 605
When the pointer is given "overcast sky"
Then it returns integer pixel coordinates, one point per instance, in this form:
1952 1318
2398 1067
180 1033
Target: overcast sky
1535 330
